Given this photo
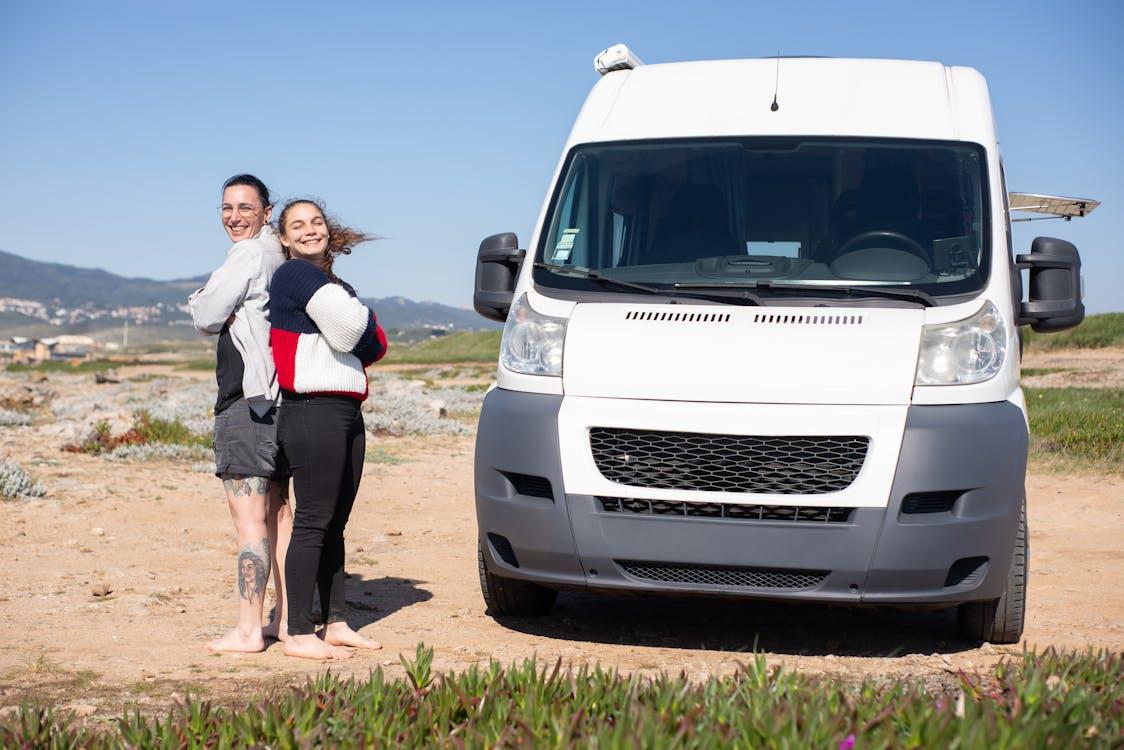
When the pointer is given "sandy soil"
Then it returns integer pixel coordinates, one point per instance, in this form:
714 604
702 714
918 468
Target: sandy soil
157 537
1079 368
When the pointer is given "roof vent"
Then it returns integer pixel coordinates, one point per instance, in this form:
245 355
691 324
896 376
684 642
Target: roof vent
617 57
808 320
678 317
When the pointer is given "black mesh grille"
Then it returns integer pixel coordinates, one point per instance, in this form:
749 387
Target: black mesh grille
930 502
726 510
724 575
532 486
810 465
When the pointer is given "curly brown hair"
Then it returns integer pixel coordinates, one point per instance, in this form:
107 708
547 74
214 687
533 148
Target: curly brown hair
341 239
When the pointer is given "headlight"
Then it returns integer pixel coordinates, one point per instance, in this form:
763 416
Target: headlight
532 343
967 351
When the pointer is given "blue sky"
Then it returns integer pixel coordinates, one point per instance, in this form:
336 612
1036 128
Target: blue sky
437 124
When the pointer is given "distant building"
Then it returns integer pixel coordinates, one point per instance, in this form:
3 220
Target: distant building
19 349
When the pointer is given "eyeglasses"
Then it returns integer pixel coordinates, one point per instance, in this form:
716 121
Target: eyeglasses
245 210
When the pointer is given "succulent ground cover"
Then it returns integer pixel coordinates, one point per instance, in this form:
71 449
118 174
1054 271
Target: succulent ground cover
1042 700
16 483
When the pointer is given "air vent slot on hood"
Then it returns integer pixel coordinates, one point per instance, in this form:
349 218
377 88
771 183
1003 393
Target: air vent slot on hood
678 317
808 320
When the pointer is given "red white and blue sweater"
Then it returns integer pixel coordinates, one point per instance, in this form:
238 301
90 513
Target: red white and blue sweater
322 335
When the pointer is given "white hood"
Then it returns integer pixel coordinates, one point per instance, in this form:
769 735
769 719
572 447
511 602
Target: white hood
766 355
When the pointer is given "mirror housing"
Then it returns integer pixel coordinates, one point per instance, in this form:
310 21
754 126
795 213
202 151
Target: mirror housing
497 269
1055 298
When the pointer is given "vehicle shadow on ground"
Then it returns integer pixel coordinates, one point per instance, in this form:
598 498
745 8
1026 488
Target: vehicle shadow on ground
371 599
798 629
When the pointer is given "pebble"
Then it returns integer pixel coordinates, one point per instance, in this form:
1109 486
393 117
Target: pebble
101 589
394 532
97 531
82 710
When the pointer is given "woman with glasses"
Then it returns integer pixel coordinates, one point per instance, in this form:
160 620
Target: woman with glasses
234 304
323 339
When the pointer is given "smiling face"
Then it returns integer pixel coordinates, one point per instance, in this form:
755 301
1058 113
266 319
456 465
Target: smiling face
242 212
305 232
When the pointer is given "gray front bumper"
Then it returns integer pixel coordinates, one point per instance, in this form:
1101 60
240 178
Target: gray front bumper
878 556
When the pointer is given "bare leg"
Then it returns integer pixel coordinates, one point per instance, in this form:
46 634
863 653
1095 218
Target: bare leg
246 497
279 522
339 633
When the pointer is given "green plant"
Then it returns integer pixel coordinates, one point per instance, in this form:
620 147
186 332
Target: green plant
1095 332
1077 427
1046 700
474 346
146 430
93 365
16 483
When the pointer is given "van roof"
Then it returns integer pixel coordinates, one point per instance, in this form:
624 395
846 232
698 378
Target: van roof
815 96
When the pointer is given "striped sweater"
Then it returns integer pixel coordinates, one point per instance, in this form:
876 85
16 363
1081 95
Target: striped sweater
322 335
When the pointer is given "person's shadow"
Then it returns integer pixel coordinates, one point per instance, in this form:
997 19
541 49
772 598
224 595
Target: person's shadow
793 628
371 599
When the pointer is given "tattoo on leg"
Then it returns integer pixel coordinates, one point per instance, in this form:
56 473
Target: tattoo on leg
241 486
253 570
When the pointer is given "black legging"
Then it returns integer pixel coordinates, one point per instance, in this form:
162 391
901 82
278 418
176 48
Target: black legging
324 441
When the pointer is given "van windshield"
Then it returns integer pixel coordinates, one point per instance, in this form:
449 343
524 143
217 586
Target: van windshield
757 212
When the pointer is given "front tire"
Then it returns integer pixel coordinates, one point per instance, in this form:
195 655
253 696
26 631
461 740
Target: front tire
510 596
1001 620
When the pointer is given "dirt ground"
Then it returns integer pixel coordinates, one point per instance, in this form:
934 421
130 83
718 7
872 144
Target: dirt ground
157 537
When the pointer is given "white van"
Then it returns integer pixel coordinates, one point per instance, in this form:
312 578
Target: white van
765 343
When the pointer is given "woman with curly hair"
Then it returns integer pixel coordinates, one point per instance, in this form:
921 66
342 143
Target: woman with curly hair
323 338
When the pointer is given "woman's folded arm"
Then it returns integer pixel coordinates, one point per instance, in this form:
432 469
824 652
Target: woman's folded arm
341 318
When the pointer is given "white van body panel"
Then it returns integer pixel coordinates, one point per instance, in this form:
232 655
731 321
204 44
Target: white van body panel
883 424
731 354
838 97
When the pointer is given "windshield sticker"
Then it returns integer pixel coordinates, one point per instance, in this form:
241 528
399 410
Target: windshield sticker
565 244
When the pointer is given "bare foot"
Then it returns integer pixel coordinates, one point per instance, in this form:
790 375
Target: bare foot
236 640
311 647
276 631
341 634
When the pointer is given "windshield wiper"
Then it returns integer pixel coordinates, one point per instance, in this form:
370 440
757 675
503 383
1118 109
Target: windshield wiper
909 295
743 298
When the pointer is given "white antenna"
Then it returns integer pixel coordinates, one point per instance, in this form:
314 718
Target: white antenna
125 335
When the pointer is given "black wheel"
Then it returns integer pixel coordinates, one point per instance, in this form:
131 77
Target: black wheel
1001 620
509 596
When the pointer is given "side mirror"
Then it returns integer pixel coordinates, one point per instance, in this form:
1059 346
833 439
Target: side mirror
497 268
1055 286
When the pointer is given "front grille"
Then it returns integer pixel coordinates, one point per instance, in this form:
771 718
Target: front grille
725 510
808 465
728 576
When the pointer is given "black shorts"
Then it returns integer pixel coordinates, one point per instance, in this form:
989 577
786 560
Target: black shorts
246 445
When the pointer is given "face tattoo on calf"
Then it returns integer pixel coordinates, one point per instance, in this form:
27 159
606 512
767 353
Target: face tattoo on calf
253 571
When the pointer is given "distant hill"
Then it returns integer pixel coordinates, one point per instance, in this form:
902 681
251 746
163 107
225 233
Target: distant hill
70 286
96 292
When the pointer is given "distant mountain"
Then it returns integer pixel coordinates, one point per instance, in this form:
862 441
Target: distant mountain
70 286
91 299
404 315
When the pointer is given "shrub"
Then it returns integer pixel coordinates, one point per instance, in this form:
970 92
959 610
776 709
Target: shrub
13 418
16 483
146 431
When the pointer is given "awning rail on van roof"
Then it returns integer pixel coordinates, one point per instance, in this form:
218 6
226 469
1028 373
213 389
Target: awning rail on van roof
1056 206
